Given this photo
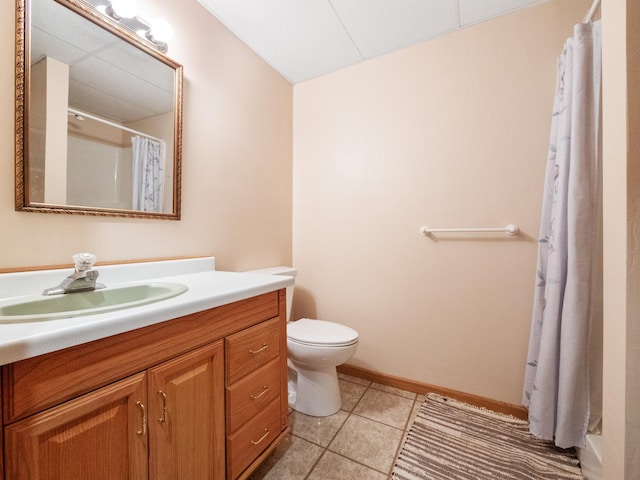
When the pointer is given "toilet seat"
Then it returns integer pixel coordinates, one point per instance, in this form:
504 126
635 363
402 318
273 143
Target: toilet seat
321 333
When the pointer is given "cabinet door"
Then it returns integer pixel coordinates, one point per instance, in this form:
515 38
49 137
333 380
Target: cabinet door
186 415
99 436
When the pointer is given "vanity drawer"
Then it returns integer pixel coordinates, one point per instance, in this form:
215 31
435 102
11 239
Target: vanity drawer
249 396
250 349
244 446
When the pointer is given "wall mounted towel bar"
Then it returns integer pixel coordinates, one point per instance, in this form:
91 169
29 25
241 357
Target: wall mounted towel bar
510 229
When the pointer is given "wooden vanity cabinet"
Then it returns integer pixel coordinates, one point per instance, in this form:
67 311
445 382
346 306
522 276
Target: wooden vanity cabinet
163 417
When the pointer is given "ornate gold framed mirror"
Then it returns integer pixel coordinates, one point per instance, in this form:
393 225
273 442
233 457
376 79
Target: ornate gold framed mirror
98 115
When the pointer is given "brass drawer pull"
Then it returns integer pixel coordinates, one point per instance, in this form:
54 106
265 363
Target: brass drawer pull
144 419
265 389
163 418
263 347
256 442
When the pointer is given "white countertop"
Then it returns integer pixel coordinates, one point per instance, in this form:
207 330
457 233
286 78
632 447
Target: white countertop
207 289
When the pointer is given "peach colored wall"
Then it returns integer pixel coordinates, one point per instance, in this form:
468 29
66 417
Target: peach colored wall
237 154
452 132
621 149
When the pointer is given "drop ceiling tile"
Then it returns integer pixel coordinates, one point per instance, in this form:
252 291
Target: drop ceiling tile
67 26
300 39
131 59
381 26
116 83
303 39
44 44
85 98
474 11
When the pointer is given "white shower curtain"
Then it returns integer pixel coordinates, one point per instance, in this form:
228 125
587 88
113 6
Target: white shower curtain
568 303
148 174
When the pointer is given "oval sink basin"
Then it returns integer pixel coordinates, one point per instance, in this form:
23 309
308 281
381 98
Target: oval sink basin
38 307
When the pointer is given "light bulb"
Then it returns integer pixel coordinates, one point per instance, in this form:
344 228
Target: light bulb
161 31
124 8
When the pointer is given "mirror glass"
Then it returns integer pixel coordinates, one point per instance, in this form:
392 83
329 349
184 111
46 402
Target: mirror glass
99 116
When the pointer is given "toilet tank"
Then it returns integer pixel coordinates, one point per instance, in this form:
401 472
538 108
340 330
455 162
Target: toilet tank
287 271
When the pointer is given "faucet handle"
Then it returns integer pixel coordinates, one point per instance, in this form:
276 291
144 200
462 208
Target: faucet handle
84 261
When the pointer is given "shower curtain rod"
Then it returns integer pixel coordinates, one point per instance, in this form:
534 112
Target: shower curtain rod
592 11
108 122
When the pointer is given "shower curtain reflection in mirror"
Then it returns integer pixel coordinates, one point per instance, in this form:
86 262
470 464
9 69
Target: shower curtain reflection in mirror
148 173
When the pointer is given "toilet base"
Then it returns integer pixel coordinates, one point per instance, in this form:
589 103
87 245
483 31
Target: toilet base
314 392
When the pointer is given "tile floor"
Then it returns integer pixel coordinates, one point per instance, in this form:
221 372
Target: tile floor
360 441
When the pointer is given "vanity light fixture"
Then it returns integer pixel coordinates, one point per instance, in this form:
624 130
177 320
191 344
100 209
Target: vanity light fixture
123 8
125 12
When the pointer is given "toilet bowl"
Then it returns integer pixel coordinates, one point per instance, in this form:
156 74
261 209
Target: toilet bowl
315 349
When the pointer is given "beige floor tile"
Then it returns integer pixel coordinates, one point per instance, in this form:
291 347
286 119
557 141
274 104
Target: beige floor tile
335 467
319 430
385 408
405 435
414 411
291 460
359 381
396 391
362 438
351 393
368 442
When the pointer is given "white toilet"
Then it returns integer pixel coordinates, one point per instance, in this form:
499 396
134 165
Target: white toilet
315 349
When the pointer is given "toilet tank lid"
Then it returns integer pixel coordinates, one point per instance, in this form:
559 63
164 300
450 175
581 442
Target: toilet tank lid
281 270
320 332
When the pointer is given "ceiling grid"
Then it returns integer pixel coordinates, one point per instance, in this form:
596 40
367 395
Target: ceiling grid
304 39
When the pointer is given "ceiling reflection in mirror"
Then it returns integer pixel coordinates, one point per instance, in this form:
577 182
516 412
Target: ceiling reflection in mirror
102 117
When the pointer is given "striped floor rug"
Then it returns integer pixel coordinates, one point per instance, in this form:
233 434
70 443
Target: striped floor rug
450 440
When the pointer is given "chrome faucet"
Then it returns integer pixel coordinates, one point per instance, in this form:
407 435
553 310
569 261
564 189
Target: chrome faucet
81 280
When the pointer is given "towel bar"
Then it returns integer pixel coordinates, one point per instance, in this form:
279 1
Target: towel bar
511 230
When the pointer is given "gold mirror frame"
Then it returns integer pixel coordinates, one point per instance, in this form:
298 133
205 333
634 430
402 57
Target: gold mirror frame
22 202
